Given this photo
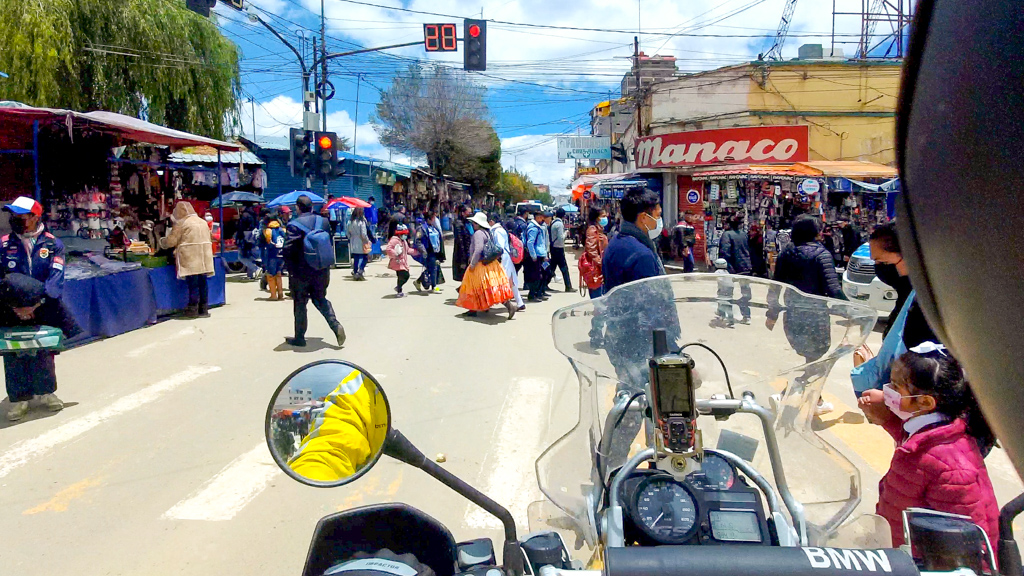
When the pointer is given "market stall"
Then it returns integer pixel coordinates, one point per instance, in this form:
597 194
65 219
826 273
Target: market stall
107 186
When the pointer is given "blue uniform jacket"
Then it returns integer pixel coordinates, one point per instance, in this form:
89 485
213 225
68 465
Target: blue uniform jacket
47 261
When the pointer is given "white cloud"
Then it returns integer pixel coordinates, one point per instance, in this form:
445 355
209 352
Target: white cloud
275 116
536 156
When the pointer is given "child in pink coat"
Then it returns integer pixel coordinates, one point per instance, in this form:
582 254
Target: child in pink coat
398 250
940 433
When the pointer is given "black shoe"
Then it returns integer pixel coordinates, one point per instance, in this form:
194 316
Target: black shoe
203 314
298 343
569 289
534 299
522 308
340 333
470 314
191 312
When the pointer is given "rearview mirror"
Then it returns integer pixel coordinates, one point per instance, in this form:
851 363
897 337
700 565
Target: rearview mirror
327 422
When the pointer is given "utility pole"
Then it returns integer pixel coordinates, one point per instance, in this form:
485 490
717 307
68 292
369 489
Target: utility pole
355 123
323 67
316 83
252 102
636 94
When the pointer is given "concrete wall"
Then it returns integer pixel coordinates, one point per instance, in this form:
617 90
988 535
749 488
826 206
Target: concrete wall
715 99
849 107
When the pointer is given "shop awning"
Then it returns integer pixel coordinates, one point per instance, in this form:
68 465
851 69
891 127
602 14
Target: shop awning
586 182
125 128
757 171
616 188
208 155
851 168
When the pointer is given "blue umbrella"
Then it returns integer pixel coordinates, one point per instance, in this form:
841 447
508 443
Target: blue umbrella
238 197
570 208
290 198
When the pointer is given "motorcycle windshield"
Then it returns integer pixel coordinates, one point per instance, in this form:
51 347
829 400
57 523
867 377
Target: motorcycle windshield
772 339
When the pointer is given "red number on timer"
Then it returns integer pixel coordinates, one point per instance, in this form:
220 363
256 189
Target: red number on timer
449 38
431 37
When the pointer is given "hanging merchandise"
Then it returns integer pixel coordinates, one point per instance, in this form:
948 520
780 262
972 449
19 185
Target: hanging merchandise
730 188
714 192
259 179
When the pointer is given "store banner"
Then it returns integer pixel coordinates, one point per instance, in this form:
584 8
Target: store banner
761 144
584 148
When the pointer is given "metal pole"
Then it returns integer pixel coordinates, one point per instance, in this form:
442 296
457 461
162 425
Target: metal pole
302 62
252 101
323 68
355 123
35 159
316 83
220 202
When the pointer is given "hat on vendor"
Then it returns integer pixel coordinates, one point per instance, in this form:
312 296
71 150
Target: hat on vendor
24 205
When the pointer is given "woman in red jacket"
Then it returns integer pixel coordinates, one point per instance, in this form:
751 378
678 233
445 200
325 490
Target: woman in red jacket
930 411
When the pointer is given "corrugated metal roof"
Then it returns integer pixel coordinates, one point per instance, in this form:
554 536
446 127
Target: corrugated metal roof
225 158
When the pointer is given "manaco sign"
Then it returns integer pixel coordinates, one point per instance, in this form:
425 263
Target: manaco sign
724 146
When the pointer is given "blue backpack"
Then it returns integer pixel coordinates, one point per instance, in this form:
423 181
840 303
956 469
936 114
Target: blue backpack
317 246
435 238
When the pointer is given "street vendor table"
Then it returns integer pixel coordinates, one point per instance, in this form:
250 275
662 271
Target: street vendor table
109 305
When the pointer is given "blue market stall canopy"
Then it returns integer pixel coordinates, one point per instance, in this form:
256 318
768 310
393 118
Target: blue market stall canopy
290 198
570 208
616 189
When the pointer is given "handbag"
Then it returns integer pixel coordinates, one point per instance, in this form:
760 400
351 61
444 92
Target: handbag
491 250
589 274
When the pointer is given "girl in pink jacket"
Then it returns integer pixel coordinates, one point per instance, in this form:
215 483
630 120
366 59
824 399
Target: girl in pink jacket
940 433
398 250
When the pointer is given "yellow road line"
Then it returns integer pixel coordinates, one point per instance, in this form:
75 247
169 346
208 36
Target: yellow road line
61 500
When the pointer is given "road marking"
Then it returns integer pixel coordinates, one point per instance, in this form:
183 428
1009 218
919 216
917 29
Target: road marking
142 350
22 452
516 444
61 500
224 495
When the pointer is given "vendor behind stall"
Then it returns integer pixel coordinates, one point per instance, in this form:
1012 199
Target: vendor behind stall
31 285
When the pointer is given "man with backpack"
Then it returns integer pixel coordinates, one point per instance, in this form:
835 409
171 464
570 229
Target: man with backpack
309 255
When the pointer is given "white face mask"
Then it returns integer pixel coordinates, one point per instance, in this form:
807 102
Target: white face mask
658 227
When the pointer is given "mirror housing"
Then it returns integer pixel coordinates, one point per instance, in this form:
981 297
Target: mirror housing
327 423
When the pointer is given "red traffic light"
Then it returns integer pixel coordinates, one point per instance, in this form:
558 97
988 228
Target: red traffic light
474 31
325 142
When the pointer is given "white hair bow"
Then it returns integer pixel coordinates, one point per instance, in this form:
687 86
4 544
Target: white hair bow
928 348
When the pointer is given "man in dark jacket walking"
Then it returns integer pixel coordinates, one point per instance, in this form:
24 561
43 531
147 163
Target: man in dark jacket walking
735 248
463 239
807 264
306 282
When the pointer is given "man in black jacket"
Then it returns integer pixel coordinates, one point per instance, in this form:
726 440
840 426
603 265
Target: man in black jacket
306 282
735 248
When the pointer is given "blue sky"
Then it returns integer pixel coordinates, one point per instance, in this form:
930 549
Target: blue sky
540 81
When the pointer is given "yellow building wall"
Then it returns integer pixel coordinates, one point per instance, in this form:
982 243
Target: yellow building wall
849 106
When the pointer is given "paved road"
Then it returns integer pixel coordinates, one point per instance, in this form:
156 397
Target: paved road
158 464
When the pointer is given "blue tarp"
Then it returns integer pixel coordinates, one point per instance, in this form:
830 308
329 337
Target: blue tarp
109 305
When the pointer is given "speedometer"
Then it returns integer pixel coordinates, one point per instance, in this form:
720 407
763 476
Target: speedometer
666 510
717 471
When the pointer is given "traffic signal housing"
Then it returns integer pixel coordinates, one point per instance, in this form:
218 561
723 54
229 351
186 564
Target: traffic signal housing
327 155
474 45
300 157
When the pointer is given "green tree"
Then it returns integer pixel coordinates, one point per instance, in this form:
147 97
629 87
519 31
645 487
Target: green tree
437 112
514 187
145 58
482 172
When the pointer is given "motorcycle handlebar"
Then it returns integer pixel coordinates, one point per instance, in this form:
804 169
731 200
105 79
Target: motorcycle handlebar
756 561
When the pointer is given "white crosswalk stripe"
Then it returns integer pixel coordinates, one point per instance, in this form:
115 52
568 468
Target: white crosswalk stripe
22 452
508 472
224 495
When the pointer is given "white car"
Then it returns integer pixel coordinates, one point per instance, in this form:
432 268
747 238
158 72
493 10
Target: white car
861 285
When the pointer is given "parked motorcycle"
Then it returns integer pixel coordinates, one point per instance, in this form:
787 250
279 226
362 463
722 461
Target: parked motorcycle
675 466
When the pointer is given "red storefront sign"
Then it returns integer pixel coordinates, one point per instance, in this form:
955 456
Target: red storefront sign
761 144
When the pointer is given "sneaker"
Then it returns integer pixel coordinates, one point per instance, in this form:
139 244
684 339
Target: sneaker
419 287
823 408
522 308
298 343
51 402
400 295
340 333
437 290
17 411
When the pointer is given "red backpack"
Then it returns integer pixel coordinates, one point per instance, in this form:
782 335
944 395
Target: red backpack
515 248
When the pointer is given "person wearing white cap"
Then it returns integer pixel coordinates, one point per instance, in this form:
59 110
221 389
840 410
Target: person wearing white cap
30 251
485 283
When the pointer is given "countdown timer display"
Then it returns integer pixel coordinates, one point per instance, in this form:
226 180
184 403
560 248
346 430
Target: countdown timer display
440 38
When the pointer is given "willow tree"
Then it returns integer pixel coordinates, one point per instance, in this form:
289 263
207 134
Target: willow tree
152 59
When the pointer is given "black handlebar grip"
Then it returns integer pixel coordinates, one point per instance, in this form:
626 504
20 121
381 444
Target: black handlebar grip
738 560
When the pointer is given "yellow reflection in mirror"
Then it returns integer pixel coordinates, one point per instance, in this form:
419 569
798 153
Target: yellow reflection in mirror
339 414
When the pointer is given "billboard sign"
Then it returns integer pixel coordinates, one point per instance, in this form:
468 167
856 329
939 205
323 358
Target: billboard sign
757 145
